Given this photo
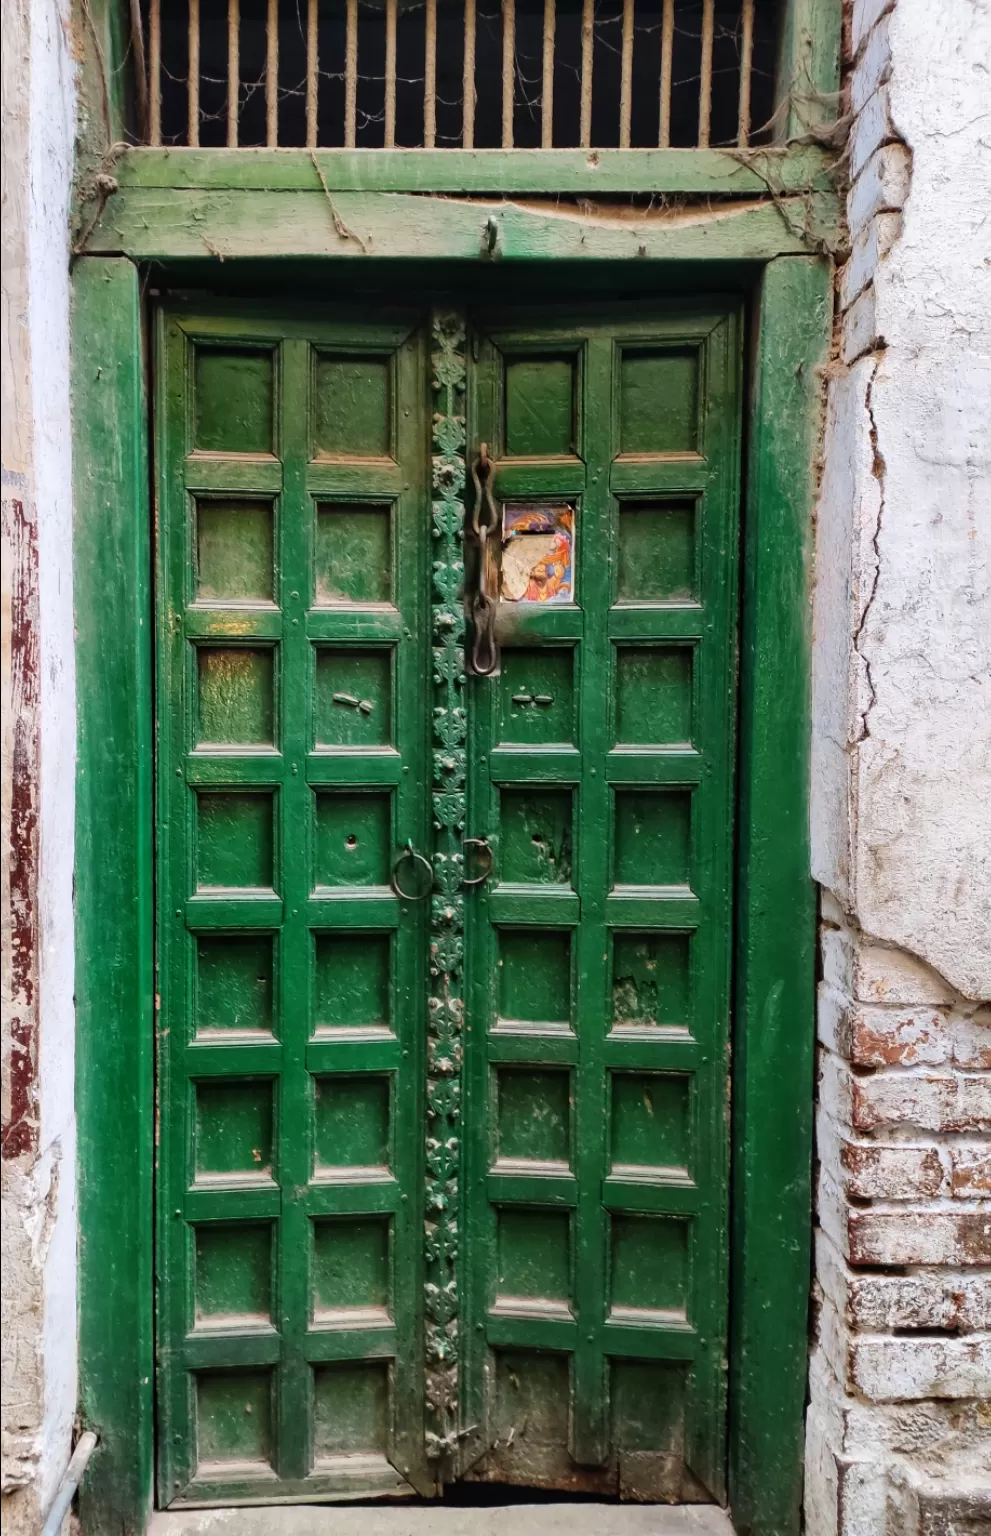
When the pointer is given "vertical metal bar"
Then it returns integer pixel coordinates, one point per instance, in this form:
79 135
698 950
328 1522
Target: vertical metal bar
233 69
312 74
705 73
588 38
390 73
193 88
468 83
155 72
430 76
626 77
547 86
272 75
746 68
351 76
508 70
667 55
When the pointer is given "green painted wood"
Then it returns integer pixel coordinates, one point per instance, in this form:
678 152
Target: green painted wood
167 224
774 1034
292 769
604 171
599 950
113 895
808 70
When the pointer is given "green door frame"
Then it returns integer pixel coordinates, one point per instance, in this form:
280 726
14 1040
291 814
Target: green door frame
773 1028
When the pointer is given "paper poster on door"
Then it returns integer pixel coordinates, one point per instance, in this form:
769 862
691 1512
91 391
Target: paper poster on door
537 549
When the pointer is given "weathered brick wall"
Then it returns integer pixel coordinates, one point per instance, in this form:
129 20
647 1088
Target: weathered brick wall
899 1421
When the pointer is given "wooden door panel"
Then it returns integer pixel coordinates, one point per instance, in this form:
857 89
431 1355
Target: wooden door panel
292 746
600 769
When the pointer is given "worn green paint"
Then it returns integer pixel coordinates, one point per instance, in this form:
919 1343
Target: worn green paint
808 72
726 172
609 831
775 958
113 891
767 1353
291 978
189 224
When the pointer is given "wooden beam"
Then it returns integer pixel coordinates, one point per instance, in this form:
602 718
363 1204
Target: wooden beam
156 224
647 172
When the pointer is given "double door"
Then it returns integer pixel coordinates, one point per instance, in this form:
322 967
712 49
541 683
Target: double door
446 688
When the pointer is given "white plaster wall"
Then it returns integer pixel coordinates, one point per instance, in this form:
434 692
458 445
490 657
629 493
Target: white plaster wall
39 1242
902 783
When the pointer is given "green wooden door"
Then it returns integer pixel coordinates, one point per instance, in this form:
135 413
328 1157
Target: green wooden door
442 1182
600 769
292 749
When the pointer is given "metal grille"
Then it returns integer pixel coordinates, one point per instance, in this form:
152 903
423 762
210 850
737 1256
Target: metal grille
472 74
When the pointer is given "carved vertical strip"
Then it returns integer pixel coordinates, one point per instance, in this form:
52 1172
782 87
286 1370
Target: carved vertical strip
446 1004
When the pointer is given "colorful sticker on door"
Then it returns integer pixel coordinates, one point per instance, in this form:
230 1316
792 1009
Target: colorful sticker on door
537 553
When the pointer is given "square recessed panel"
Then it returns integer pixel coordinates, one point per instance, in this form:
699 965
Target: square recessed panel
536 695
235 397
534 1115
652 979
659 392
235 551
534 1255
235 695
350 1266
353 980
352 405
234 839
351 1410
353 704
353 843
649 1120
536 836
532 1400
234 1422
647 1400
535 975
653 837
233 1274
352 1121
649 1263
654 695
540 406
233 1130
234 983
353 556
656 555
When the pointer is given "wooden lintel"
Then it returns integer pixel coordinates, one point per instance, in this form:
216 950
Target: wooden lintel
174 224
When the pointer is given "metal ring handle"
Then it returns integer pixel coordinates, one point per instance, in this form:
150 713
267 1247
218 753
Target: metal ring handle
419 862
483 844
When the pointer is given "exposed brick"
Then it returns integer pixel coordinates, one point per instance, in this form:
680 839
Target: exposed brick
970 1176
866 14
872 67
860 327
972 1041
870 247
882 184
958 1302
904 1037
891 1172
927 1101
918 1237
872 127
883 975
896 1369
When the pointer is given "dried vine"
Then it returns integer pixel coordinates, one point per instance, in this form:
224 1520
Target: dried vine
446 1005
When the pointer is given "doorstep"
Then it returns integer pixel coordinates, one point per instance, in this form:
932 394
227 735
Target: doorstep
511 1520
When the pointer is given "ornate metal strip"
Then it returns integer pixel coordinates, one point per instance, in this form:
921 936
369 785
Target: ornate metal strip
446 1007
